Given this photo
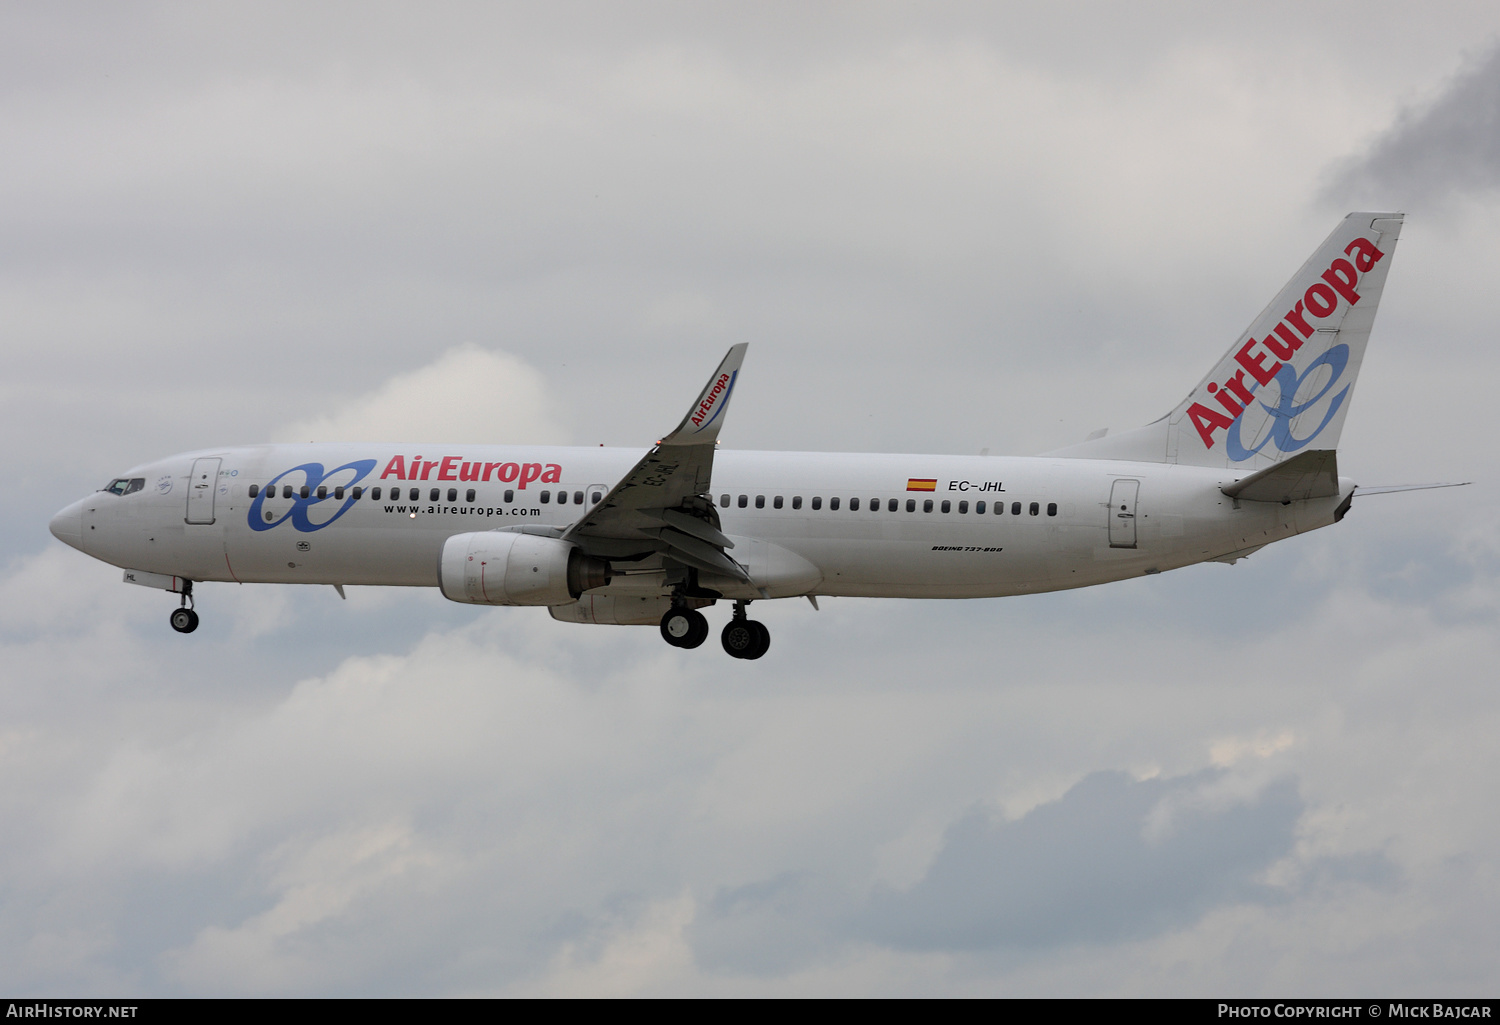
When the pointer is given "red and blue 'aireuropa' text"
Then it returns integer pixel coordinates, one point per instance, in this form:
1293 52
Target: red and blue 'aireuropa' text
1263 359
454 468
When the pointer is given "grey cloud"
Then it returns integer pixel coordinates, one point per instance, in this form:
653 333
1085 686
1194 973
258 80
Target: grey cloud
770 927
1085 867
1112 859
1433 153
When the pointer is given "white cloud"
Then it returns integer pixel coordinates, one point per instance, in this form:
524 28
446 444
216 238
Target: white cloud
468 395
317 882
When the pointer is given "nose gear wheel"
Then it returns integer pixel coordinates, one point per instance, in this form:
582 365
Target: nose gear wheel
183 619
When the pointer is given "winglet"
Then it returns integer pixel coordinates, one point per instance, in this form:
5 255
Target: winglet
702 423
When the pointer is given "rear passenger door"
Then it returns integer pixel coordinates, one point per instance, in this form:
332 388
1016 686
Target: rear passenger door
1122 496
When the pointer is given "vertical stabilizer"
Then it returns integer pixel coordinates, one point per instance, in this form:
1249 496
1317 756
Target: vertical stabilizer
1285 384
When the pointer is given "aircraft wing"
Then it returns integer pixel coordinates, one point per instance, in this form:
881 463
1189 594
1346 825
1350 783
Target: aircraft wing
662 505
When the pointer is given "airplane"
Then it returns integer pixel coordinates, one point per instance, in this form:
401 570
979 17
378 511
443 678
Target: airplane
611 536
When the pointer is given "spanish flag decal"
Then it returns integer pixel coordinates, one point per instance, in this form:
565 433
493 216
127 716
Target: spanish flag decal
921 484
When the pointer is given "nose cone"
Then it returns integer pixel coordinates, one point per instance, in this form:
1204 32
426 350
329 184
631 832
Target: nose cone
67 526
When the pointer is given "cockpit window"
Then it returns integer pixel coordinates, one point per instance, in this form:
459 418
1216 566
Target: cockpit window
125 485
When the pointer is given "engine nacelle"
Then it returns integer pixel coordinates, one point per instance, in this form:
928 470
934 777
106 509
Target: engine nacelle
506 568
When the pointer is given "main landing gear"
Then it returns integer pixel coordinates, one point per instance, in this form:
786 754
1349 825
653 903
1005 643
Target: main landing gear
745 638
184 620
683 627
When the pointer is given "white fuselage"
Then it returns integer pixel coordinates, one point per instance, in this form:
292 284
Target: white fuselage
1086 527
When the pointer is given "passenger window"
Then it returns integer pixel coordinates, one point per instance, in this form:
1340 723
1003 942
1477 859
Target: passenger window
927 505
874 505
254 490
891 506
374 494
414 495
545 497
833 504
1035 508
979 508
1051 508
947 506
1015 508
338 492
724 501
453 494
963 507
817 502
306 491
510 496
286 491
776 502
597 496
911 505
578 498
469 495
744 501
760 501
796 501
322 490
433 494
854 505
358 493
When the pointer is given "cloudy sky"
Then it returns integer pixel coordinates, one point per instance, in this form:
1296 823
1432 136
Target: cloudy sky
942 227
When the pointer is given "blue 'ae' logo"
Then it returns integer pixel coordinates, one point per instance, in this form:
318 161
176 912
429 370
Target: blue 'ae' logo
302 510
1287 408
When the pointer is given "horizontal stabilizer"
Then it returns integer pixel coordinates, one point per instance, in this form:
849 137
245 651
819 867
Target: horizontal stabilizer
1390 489
1306 475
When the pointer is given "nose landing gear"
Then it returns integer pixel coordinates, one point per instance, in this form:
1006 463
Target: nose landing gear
745 638
184 620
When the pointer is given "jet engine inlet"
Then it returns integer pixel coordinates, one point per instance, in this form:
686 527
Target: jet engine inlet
503 568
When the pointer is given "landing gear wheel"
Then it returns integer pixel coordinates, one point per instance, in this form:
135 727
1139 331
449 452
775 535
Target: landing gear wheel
184 621
745 638
684 628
